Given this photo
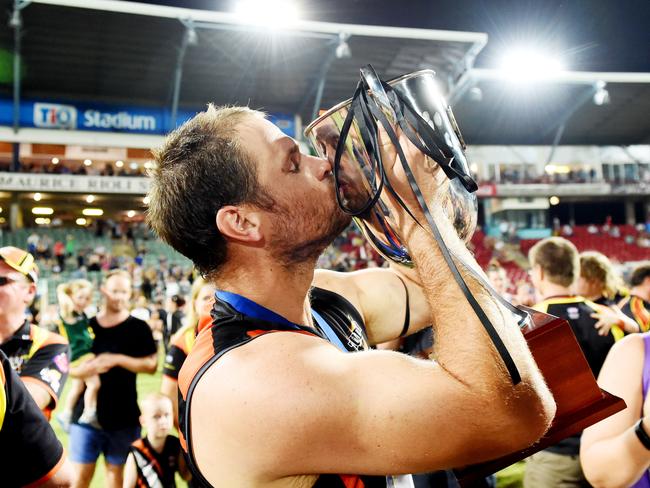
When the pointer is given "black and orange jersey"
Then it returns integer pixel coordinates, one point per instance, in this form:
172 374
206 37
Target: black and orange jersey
41 356
30 453
180 346
156 469
637 309
577 311
237 321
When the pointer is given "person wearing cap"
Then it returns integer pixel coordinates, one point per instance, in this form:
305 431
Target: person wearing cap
30 453
39 357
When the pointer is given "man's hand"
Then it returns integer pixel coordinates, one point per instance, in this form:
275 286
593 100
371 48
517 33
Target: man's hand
105 361
611 316
427 173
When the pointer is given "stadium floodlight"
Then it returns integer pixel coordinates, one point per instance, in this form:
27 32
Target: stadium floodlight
42 211
88 162
90 198
343 50
42 221
119 163
130 214
81 221
92 212
267 13
554 200
37 197
55 160
601 97
524 64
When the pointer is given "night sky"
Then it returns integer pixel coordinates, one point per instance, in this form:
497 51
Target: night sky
589 35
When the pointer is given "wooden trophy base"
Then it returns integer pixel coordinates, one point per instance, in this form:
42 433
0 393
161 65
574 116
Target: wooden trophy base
580 403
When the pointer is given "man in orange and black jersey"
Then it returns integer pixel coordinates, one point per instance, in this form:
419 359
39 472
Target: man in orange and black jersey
30 453
40 357
637 304
555 267
282 388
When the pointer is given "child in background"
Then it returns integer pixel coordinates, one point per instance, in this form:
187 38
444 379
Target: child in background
155 459
73 298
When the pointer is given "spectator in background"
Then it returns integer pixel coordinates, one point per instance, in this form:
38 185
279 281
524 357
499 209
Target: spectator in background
73 299
39 357
59 254
174 319
555 264
201 302
156 458
70 246
124 347
525 294
599 283
499 279
32 243
615 452
141 310
637 304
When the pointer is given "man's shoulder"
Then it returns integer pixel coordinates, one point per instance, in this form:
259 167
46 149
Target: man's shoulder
42 337
136 322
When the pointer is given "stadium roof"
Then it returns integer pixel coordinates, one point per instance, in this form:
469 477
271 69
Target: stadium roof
114 51
125 52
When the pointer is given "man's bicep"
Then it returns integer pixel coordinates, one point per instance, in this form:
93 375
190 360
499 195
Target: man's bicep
48 367
366 413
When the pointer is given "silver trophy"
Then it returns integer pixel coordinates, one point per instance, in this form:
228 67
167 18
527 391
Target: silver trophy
357 172
348 135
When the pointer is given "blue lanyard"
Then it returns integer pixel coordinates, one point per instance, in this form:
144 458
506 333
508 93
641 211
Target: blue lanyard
329 332
248 307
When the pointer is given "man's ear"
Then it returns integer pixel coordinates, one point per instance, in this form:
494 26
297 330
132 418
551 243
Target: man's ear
32 293
239 223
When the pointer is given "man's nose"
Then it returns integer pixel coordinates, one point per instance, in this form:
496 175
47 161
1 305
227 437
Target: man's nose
323 167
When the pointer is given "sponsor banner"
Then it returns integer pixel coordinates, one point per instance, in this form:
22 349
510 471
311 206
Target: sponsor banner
73 183
48 114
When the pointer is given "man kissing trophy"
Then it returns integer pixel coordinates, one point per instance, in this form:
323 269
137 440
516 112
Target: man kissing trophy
353 135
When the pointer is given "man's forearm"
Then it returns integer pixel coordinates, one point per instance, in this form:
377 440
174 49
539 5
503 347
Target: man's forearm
462 345
146 364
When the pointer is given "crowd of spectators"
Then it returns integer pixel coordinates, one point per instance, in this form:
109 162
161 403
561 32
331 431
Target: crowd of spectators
96 168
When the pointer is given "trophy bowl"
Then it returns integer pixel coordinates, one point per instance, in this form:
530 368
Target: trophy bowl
357 176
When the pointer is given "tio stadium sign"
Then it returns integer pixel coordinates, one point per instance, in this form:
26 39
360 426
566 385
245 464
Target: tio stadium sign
58 116
100 117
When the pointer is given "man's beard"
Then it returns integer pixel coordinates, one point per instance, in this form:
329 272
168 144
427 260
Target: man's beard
300 237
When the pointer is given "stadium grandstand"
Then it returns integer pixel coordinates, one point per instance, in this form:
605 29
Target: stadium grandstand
90 88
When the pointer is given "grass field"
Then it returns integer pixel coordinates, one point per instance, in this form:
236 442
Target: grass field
510 477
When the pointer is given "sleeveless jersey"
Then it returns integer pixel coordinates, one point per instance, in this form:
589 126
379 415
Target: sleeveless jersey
237 321
638 309
156 469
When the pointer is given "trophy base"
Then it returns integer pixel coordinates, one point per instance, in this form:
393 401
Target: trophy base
580 403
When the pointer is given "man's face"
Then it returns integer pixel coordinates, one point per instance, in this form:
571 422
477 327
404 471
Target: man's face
17 293
305 217
204 300
117 291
